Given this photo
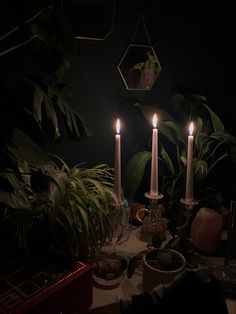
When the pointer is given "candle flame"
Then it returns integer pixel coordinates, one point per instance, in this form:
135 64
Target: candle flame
118 126
154 120
191 128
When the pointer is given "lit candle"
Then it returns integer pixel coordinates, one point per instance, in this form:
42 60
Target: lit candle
154 164
189 176
117 183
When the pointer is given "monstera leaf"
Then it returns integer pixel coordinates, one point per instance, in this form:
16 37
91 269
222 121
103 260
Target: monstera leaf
34 57
21 147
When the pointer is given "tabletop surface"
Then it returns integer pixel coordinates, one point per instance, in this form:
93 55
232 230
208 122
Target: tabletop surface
103 298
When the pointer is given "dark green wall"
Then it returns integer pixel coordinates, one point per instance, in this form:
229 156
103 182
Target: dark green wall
195 48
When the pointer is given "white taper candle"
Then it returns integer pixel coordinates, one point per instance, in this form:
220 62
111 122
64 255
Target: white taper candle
189 176
117 182
154 163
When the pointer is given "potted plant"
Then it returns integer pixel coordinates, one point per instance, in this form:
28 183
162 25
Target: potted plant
160 263
44 203
68 208
63 209
214 150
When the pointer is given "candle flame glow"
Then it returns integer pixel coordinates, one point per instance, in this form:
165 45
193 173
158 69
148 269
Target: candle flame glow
191 128
154 120
118 126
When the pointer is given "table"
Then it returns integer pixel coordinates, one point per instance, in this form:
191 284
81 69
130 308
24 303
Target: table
107 300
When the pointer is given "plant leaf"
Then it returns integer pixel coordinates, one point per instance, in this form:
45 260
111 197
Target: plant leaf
134 172
168 162
22 147
132 265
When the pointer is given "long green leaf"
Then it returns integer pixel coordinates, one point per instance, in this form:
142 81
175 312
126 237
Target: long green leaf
217 123
22 147
134 172
168 162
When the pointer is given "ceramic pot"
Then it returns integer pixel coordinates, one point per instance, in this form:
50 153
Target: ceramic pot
206 230
108 271
153 276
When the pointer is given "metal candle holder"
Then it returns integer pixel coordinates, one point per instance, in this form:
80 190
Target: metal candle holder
189 204
185 217
154 205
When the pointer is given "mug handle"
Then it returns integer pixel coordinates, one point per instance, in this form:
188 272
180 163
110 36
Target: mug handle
142 209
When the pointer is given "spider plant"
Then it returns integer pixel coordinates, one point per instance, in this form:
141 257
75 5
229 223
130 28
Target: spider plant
67 208
214 151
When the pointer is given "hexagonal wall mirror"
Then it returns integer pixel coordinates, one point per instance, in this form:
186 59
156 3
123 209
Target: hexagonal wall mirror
139 67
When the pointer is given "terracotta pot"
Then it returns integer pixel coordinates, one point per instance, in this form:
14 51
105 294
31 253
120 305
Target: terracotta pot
206 230
153 276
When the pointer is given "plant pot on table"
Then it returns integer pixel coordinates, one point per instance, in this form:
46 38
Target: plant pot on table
155 274
108 270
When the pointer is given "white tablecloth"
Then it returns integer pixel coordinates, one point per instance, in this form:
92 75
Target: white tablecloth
131 246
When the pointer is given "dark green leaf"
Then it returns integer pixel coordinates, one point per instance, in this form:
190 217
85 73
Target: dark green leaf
134 172
167 160
217 123
22 147
132 265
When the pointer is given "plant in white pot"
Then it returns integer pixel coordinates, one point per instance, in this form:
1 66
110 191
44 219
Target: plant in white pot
160 264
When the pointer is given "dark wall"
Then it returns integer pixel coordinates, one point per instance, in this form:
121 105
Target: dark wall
195 49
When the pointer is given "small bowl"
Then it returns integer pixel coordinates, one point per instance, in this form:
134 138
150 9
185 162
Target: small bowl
108 271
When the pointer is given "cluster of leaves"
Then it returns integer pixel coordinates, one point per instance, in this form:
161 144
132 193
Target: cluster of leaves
67 208
214 150
34 57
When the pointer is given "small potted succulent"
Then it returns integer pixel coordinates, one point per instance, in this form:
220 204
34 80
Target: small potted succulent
160 263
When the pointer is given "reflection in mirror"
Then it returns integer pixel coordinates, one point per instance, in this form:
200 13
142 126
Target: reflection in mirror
139 67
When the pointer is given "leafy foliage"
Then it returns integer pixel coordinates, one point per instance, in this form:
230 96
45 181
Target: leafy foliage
68 208
214 149
34 57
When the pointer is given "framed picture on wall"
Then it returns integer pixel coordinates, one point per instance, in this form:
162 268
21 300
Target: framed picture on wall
139 67
91 19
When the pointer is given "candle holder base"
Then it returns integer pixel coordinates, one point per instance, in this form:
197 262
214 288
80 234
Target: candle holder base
153 222
189 204
154 205
154 196
185 217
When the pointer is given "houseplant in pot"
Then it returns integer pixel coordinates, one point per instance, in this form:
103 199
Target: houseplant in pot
43 203
160 263
63 206
61 209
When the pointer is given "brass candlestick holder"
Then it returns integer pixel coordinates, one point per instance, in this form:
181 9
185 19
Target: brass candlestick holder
153 222
154 204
